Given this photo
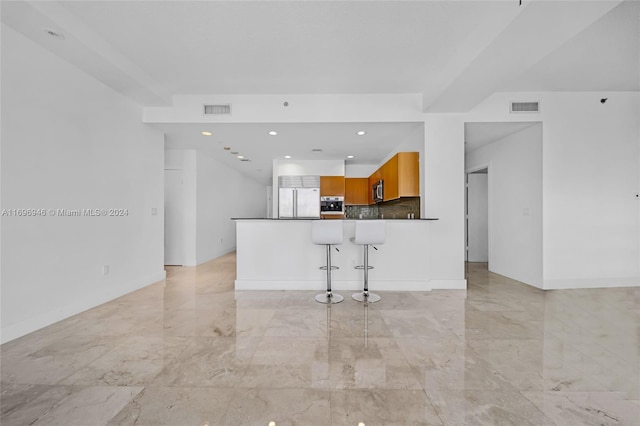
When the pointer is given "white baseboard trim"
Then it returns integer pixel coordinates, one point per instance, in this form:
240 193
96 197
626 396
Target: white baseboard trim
218 254
320 285
575 283
30 325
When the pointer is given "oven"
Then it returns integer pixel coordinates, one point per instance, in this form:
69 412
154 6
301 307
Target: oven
332 205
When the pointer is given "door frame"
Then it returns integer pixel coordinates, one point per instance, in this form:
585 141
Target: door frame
467 172
182 225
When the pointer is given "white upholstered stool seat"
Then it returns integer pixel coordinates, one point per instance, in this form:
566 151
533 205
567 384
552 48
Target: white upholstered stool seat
368 232
328 233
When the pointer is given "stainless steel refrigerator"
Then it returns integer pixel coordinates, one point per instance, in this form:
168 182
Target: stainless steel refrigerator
299 197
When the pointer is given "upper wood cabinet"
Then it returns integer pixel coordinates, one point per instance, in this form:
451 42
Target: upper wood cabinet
332 186
375 176
401 175
408 174
356 191
390 177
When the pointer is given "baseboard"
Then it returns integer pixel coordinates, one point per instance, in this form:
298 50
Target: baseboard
320 285
221 253
575 283
30 325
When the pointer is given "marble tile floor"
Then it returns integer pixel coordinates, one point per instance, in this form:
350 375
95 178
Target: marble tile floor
189 351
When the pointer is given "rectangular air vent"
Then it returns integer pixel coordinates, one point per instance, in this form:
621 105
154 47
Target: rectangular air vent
222 109
525 107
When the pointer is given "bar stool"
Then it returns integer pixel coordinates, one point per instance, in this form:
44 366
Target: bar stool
328 233
368 232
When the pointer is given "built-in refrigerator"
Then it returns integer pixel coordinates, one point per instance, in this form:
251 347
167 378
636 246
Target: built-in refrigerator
299 197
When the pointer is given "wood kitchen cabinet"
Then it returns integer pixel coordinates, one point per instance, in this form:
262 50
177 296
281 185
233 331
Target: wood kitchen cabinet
332 186
401 176
408 174
375 176
390 177
356 191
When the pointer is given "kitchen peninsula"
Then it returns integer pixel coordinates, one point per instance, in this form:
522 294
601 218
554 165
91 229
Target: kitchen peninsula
277 254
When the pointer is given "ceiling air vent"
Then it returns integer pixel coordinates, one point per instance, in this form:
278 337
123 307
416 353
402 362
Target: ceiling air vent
223 109
525 107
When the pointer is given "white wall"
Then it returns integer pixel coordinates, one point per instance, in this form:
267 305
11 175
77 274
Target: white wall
308 167
70 142
515 205
223 193
590 180
360 170
443 183
318 108
214 193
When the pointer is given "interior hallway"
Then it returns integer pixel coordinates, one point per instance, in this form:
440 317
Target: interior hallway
188 351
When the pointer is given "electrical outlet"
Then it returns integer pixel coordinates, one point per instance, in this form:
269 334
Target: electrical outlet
105 269
154 211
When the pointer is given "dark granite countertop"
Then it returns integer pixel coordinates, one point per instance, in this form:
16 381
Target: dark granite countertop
275 218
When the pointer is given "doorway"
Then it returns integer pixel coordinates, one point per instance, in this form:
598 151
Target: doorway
173 218
512 154
477 216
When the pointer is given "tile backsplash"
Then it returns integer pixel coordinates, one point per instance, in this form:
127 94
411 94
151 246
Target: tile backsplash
395 209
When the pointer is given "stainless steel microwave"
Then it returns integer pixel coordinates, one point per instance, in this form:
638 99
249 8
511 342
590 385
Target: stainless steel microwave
378 191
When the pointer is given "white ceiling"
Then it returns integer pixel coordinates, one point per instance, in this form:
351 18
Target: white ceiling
252 141
453 53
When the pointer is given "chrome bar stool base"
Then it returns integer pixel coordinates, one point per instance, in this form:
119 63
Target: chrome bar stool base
328 298
368 233
366 297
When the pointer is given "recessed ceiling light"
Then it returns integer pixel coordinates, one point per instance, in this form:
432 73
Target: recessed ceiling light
361 133
241 156
234 152
227 148
273 133
316 150
55 34
287 156
206 133
349 156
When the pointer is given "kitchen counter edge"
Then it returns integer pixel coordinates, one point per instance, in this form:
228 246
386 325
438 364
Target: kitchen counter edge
288 220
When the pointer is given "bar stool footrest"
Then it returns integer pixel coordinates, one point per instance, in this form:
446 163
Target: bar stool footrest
324 268
362 267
